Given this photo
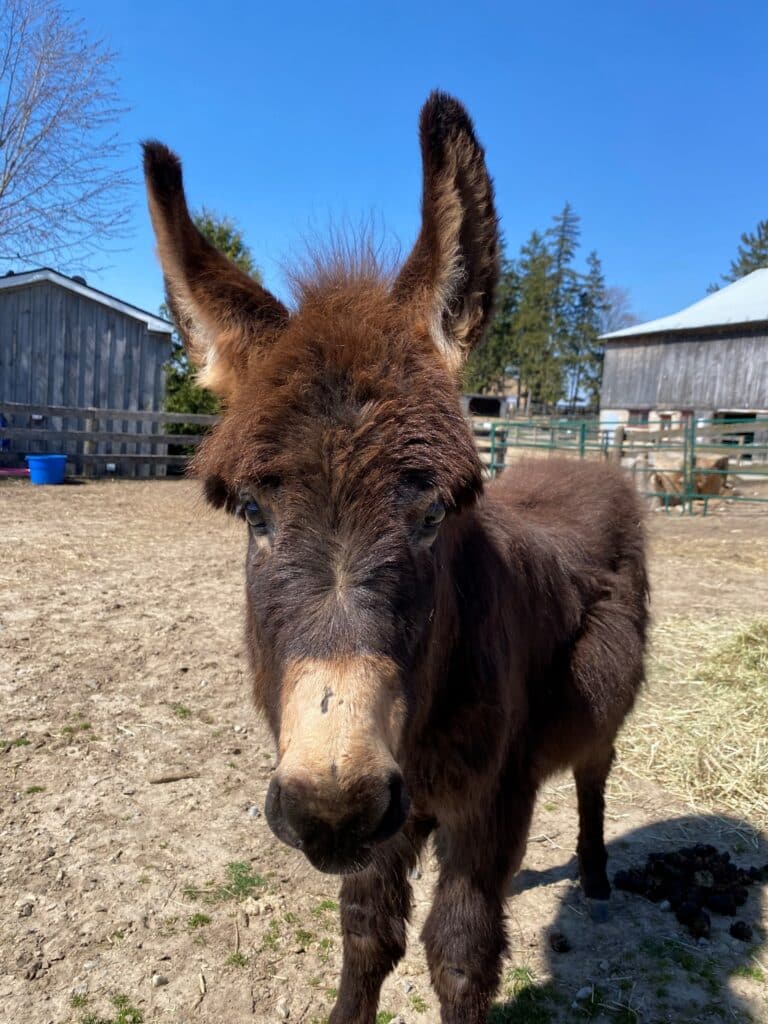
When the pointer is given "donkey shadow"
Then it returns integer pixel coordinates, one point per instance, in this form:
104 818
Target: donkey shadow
642 965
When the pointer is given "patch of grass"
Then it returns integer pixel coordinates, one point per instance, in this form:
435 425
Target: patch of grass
198 921
72 730
384 1017
126 1013
181 710
749 971
271 938
290 918
20 741
241 882
78 1000
35 789
712 747
324 953
324 907
237 960
526 1002
332 993
418 1003
304 937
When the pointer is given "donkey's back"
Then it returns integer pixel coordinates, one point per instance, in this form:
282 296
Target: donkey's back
578 591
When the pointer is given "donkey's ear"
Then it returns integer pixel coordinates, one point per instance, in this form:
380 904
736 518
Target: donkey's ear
454 267
221 312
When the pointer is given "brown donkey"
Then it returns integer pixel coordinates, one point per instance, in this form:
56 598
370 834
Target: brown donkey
426 649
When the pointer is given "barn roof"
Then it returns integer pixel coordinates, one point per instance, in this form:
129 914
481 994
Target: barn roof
21 278
743 302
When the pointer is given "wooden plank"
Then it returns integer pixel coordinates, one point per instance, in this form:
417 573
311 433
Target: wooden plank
99 436
147 415
179 460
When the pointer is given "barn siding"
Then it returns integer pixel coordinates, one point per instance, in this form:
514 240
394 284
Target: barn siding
61 348
691 372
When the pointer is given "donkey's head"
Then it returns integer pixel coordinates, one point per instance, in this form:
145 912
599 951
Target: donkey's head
343 447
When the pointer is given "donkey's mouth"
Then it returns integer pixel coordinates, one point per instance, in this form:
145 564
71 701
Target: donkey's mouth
320 856
345 847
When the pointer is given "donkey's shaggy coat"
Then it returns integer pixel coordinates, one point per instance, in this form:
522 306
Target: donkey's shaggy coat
426 649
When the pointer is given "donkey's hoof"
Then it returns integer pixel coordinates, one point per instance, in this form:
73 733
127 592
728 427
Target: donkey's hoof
599 910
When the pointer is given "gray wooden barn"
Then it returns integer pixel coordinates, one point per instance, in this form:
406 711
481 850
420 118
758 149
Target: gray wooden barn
709 361
65 343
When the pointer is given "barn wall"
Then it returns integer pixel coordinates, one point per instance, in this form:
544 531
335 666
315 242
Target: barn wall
60 348
691 372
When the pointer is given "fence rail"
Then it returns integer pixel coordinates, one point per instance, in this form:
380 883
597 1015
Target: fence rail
687 466
134 442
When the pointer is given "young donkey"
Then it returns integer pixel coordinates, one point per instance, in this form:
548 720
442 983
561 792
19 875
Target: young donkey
426 649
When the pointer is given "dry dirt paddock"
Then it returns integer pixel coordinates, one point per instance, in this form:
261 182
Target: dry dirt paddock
126 896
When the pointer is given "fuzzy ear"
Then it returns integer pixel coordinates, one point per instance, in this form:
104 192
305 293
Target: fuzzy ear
221 312
453 270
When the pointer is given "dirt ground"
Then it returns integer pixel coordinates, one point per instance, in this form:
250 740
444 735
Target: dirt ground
122 667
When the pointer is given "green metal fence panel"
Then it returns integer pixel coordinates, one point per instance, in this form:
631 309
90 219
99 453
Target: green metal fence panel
685 466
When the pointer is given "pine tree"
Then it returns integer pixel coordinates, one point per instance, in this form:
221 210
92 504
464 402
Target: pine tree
588 351
563 239
485 370
534 335
752 253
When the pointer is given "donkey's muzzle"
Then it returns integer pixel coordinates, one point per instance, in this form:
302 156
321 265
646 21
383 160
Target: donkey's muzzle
337 845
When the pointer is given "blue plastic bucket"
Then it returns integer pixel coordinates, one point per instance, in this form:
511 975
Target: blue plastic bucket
46 469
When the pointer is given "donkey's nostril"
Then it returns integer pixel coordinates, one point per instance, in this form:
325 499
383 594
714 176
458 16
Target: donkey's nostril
396 812
276 817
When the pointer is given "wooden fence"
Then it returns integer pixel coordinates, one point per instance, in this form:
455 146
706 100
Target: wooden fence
98 441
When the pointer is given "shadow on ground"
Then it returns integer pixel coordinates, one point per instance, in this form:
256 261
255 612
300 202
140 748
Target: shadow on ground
642 966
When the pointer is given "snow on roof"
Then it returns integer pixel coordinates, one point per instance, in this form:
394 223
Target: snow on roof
22 277
743 302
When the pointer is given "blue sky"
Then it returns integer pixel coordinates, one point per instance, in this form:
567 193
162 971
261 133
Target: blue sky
648 117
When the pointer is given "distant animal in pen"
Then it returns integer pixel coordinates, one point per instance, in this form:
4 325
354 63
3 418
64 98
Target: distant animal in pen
426 647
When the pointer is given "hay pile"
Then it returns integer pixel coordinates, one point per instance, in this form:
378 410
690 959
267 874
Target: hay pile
701 727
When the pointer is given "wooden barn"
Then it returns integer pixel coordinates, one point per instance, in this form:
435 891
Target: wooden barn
709 361
66 344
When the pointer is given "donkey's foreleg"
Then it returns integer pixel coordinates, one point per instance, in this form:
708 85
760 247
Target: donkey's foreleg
464 934
591 775
375 904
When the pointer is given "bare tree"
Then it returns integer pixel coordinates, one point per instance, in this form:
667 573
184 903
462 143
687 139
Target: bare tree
62 189
617 312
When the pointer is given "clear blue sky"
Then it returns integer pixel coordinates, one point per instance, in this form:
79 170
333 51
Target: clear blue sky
650 118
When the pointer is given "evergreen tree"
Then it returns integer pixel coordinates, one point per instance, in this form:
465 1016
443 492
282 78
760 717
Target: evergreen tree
563 239
535 343
485 370
182 393
588 351
752 253
549 319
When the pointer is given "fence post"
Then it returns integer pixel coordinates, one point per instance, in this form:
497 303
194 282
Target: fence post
618 442
492 455
582 440
689 477
89 447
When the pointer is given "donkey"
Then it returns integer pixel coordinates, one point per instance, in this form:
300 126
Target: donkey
426 648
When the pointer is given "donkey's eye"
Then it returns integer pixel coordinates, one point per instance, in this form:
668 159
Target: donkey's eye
434 515
254 517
